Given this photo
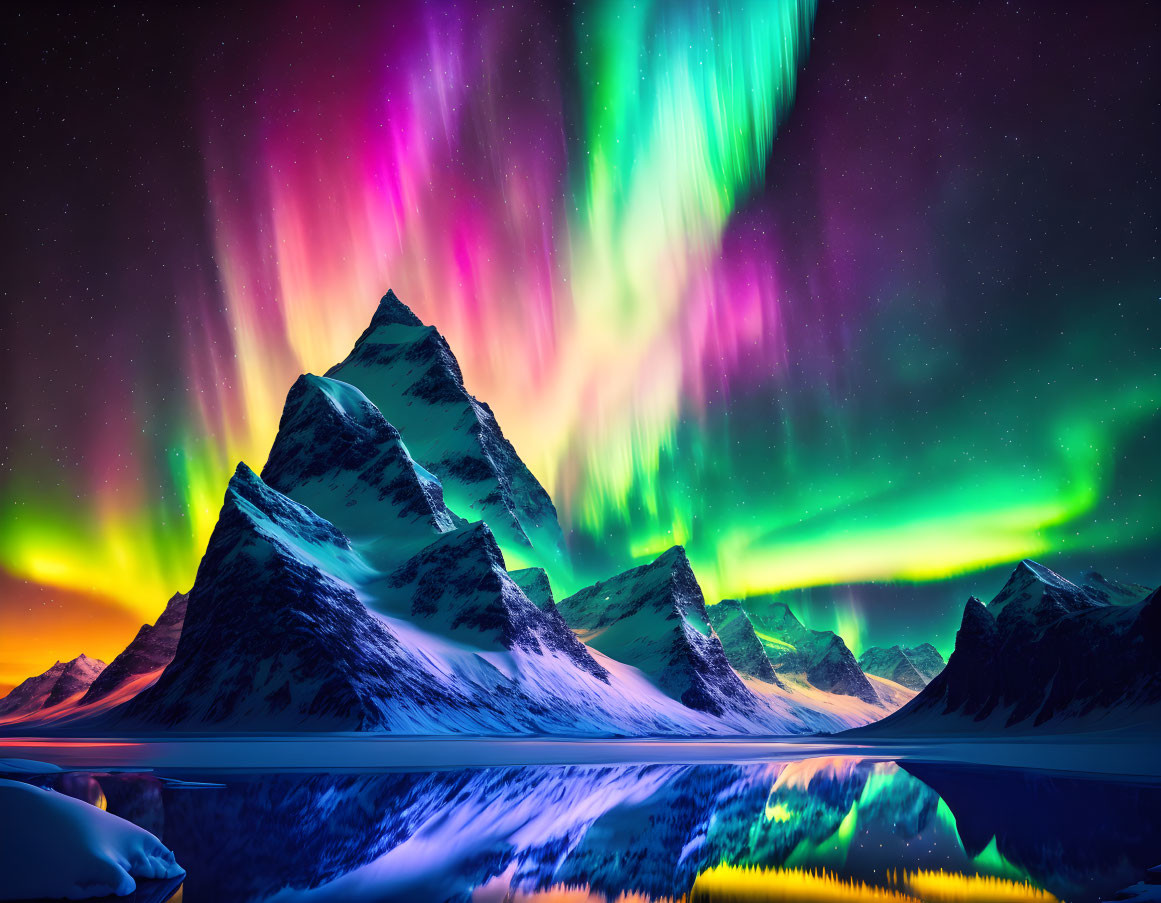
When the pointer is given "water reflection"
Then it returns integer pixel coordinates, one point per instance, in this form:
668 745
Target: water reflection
817 829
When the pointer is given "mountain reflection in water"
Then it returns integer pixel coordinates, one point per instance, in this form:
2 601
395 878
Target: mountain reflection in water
817 829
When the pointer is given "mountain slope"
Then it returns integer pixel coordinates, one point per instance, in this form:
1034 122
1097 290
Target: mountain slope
1091 666
654 618
457 587
151 650
409 373
820 656
1114 592
913 668
743 648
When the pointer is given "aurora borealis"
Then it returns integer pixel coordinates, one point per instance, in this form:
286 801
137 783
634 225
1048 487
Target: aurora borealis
859 302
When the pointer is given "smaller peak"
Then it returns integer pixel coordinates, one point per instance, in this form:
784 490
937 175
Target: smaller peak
730 604
671 556
341 398
261 506
975 610
392 311
476 534
83 659
244 476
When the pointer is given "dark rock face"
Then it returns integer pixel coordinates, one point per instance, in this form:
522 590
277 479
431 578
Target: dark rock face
151 650
654 617
58 683
913 668
1026 667
270 639
743 648
820 655
459 583
338 455
409 373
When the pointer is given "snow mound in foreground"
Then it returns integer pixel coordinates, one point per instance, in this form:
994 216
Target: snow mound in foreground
62 847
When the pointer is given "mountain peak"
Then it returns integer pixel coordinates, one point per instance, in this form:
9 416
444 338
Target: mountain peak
278 519
408 371
1039 594
75 677
337 399
654 617
392 311
457 586
977 621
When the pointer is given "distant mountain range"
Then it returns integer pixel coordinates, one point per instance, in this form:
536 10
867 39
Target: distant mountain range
913 667
358 584
821 657
1047 655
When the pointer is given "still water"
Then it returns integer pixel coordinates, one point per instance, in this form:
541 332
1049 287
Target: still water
833 828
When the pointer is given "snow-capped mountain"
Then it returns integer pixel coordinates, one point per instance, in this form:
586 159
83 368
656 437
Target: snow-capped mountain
288 627
275 635
654 618
1038 595
59 683
1043 654
821 657
743 648
411 375
151 650
912 667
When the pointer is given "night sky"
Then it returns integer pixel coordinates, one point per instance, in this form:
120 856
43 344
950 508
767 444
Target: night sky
861 305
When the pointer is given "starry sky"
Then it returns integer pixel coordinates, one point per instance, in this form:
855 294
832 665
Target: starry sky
860 303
